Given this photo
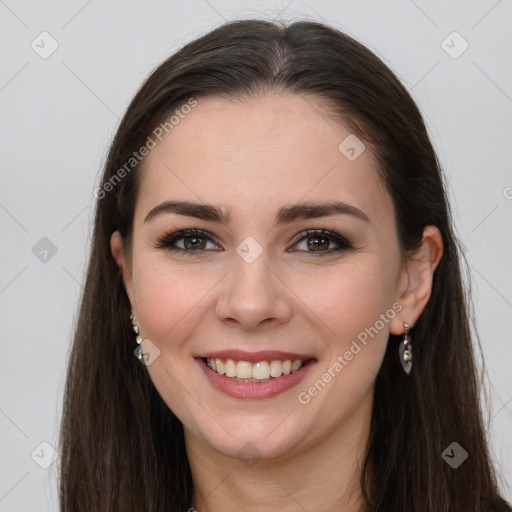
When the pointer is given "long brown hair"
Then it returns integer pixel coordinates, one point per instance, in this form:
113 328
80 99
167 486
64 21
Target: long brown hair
122 448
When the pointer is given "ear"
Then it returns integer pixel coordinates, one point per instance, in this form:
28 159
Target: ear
119 254
415 284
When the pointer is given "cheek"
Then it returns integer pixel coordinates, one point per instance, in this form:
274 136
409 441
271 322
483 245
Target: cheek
166 300
355 302
357 308
348 300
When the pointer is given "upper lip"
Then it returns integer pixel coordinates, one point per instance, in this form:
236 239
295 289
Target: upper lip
255 357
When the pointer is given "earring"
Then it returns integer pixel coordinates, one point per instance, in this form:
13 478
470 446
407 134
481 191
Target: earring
138 338
405 351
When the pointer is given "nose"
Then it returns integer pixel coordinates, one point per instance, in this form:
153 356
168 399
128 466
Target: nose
254 295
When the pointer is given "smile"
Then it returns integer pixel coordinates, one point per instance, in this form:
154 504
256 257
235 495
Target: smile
254 375
262 371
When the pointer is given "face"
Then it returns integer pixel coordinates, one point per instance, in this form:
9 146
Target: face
265 281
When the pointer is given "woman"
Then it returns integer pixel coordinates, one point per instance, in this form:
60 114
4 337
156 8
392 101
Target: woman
273 242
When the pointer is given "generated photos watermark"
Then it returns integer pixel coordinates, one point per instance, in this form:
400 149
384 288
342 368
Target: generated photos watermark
343 360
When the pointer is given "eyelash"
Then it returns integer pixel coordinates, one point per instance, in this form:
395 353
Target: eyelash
167 241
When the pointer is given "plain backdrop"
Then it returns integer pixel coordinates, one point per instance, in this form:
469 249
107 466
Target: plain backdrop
59 111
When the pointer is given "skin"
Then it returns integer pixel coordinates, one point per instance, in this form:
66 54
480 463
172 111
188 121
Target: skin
253 157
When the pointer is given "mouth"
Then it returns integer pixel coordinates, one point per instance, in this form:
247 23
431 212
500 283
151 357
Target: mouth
261 371
264 375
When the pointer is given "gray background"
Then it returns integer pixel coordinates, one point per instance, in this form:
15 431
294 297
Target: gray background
58 115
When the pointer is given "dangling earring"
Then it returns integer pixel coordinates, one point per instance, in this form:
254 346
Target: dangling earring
405 351
138 338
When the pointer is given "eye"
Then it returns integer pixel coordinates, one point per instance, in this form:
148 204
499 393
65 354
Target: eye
191 241
319 241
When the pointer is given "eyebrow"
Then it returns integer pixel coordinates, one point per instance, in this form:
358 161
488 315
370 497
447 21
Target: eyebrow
286 215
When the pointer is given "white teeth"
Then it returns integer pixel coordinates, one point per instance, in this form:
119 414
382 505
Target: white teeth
259 371
243 370
296 365
276 368
220 366
230 368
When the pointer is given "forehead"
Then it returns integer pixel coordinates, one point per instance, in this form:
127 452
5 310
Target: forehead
255 154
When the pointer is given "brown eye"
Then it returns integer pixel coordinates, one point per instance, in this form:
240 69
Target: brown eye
188 241
320 241
194 242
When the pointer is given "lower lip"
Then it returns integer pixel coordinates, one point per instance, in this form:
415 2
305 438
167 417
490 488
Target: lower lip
254 390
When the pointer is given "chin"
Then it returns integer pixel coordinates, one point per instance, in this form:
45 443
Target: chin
251 438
